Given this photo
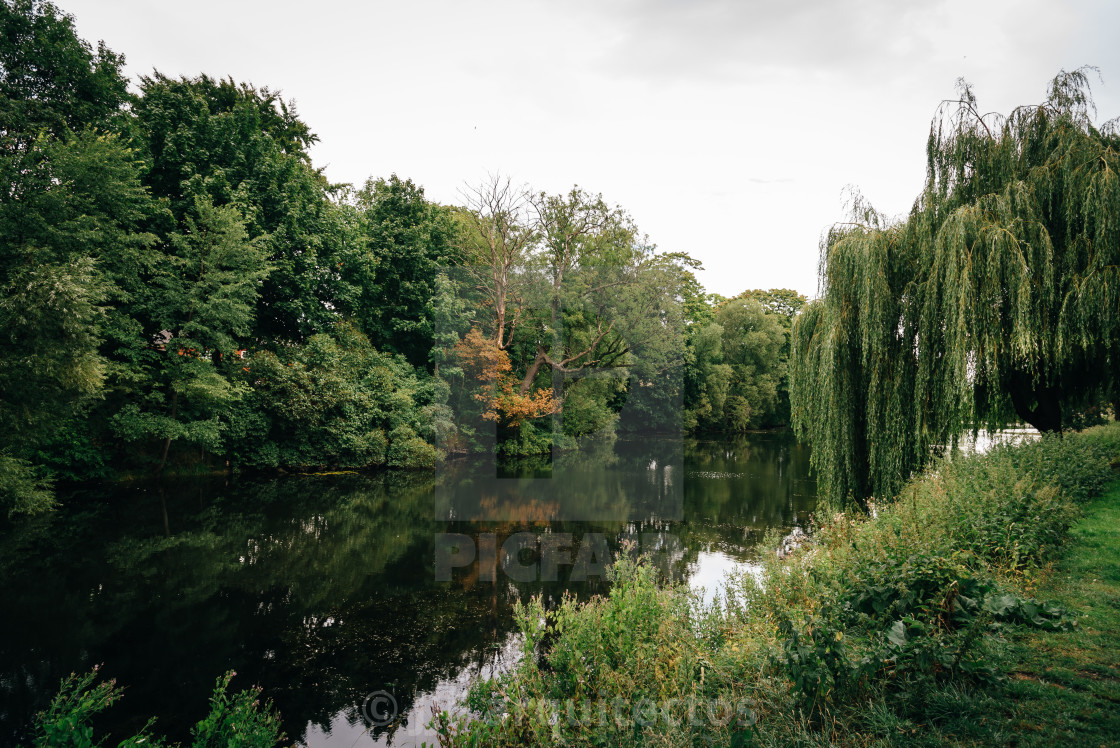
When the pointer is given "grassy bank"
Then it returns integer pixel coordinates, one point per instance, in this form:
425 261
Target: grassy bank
965 611
1064 688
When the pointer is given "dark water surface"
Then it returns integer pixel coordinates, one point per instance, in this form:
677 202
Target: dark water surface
323 589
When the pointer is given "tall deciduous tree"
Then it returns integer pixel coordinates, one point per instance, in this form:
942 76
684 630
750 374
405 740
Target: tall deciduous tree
738 367
203 298
51 81
586 248
997 300
497 236
580 303
784 304
752 347
408 240
238 145
68 217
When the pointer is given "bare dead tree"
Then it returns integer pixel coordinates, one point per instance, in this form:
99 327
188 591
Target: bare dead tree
500 234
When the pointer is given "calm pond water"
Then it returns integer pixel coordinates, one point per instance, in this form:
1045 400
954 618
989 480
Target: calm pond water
324 589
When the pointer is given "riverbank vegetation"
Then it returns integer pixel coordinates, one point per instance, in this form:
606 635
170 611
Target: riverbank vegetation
234 719
915 626
183 290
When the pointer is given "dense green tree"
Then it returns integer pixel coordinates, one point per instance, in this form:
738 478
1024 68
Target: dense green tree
203 300
783 302
69 236
51 81
242 146
335 402
738 353
64 236
737 368
752 343
995 301
651 322
408 241
707 379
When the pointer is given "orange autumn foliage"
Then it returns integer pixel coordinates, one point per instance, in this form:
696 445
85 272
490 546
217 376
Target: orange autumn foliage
481 358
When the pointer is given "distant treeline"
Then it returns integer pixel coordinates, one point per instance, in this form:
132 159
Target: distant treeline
182 288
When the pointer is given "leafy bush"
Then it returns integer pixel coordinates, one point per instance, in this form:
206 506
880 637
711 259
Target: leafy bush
524 440
407 450
880 621
237 719
23 489
330 403
632 666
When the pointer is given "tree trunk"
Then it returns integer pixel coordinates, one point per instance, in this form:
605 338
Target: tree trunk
1038 406
557 355
531 374
167 442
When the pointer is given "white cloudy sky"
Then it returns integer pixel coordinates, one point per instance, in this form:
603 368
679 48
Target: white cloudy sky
728 129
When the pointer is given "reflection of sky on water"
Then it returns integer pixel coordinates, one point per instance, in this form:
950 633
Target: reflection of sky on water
709 574
349 730
730 499
712 569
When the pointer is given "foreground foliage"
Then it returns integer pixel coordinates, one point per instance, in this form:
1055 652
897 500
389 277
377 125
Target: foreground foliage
880 625
234 719
1064 689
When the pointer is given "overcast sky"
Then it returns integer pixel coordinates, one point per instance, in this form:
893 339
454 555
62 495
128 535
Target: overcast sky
728 130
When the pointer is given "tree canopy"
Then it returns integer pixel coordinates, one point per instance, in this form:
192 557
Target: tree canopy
183 289
69 221
576 315
995 301
52 81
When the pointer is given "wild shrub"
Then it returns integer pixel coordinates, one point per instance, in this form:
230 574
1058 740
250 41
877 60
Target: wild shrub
907 599
881 622
633 666
235 719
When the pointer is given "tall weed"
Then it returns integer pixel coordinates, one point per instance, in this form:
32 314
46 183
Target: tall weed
880 621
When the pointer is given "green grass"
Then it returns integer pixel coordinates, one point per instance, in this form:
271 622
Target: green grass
1063 688
1059 688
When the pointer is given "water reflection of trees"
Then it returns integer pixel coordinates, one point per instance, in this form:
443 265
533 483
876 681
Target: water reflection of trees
322 589
739 487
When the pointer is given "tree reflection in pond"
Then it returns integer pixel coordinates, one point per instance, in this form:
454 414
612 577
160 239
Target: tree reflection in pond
322 588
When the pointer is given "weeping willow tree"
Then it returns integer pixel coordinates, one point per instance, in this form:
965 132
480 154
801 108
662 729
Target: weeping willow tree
996 300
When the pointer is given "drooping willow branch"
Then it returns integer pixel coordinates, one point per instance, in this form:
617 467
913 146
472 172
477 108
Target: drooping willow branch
991 303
